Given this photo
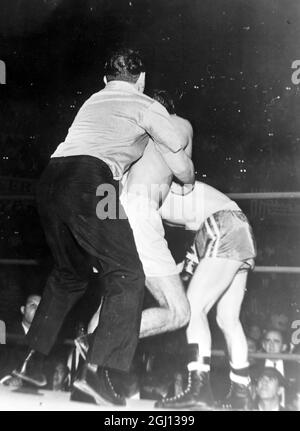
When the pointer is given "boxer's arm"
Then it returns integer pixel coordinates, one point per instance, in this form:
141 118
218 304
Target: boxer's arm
156 121
168 141
181 166
188 132
189 148
180 163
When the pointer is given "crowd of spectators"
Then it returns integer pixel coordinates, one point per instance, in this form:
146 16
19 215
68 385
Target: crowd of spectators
256 151
21 237
157 368
274 381
152 376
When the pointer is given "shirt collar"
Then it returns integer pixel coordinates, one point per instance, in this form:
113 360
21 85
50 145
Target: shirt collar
25 328
121 85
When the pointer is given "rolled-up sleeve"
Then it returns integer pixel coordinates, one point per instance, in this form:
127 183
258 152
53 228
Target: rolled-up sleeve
157 123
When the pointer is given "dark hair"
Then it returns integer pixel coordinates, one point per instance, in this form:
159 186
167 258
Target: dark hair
283 334
163 97
253 340
124 64
30 295
272 373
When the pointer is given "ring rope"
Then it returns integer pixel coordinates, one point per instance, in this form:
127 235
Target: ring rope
265 269
20 339
238 196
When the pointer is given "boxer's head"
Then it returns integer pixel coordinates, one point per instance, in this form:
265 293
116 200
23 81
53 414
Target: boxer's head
164 98
125 65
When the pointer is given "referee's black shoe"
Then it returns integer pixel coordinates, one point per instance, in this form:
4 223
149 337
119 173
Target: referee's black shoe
98 385
81 397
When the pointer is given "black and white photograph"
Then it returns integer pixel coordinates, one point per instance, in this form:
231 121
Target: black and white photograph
149 208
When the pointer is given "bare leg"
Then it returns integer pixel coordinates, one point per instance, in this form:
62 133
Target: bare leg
213 280
228 312
228 318
173 311
210 280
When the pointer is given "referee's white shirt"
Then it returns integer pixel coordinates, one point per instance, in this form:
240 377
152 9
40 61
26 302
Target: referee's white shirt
114 125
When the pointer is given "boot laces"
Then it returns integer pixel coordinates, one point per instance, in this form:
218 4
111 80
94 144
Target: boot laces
183 393
111 385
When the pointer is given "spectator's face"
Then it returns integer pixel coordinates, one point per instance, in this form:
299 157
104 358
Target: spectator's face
280 321
273 342
267 388
255 332
30 308
59 376
251 345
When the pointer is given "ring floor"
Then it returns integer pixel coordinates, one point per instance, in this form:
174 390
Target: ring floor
12 399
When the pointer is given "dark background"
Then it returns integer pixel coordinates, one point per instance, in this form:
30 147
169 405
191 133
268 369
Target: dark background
228 65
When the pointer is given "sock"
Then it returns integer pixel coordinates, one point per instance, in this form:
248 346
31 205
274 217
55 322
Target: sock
202 364
240 375
92 367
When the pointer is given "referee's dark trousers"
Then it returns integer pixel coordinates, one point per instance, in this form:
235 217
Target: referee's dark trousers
77 237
